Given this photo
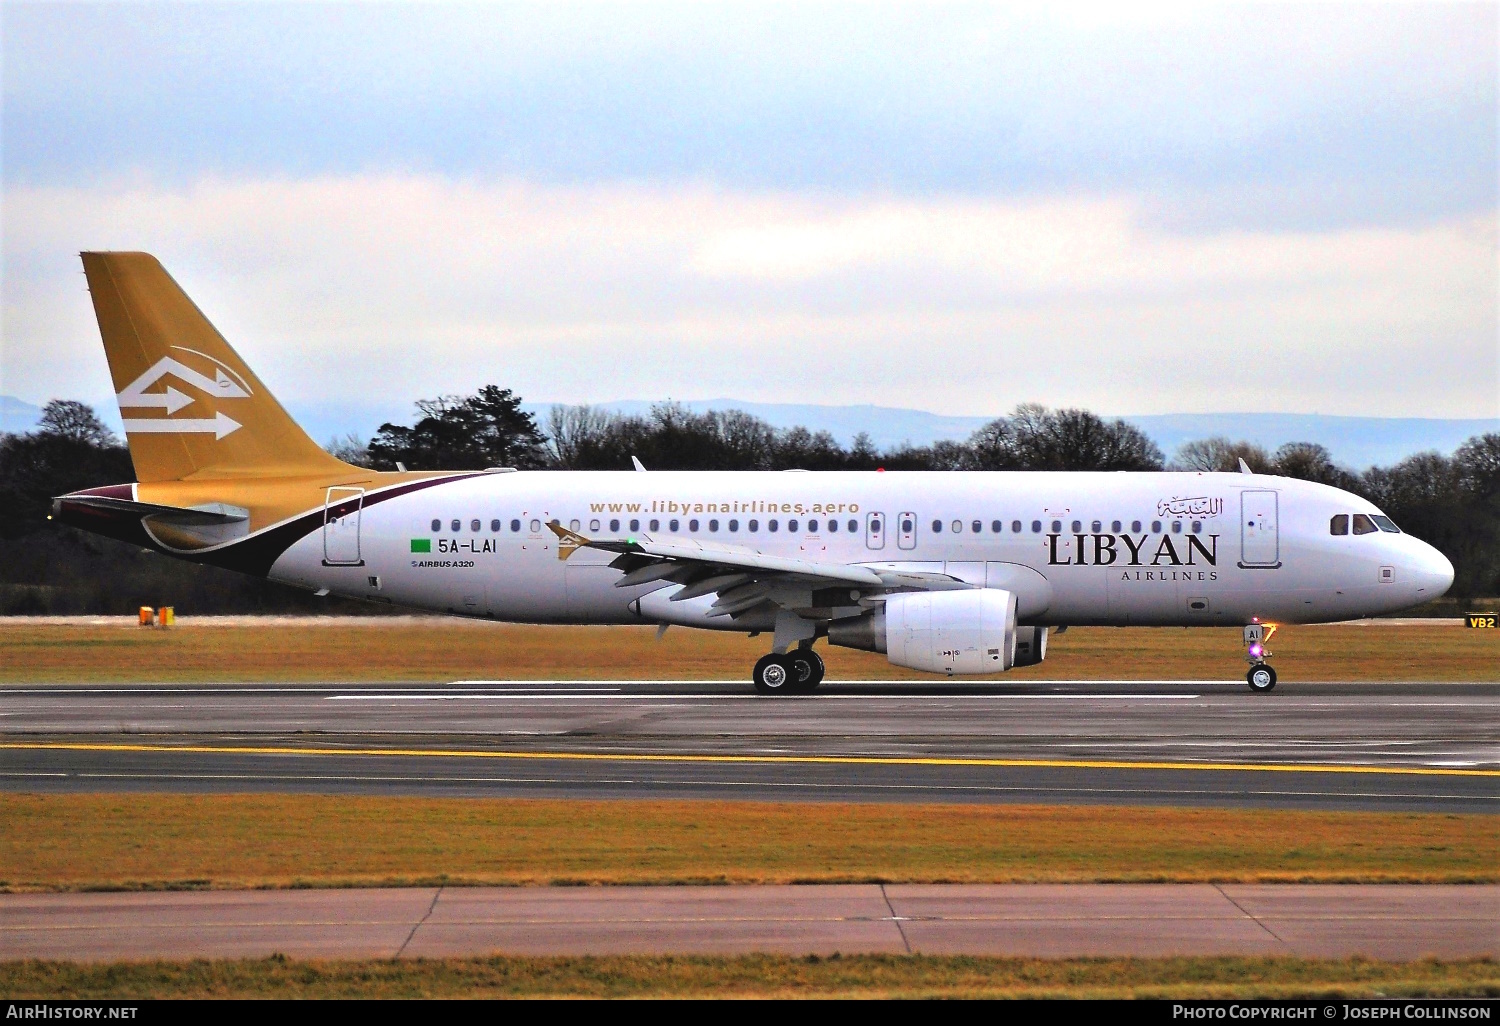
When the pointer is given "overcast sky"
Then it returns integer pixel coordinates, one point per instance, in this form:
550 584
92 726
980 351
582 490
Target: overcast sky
1183 208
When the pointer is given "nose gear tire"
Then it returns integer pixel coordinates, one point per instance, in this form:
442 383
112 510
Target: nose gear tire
1261 678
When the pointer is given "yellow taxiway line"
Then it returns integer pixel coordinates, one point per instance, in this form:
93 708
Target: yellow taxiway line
826 760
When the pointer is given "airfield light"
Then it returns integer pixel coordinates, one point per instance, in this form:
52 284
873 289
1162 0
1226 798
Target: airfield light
1256 651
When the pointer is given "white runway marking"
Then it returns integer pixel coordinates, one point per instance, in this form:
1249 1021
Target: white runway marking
451 696
545 693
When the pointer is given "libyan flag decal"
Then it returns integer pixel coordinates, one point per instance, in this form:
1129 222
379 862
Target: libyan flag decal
421 544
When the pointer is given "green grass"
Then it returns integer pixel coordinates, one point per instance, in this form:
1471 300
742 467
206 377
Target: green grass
870 976
154 841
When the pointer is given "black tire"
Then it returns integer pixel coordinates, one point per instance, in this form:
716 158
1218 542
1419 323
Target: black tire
809 669
1261 678
774 675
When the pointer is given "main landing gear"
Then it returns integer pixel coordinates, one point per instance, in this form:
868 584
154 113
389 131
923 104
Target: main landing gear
1261 676
796 673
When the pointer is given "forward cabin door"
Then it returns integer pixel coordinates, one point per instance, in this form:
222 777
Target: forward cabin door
1260 538
341 513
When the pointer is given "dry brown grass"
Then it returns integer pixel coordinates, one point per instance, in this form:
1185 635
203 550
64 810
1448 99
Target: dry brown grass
441 650
91 841
867 976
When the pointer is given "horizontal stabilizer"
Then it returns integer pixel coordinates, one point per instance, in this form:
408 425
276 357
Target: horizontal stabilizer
217 513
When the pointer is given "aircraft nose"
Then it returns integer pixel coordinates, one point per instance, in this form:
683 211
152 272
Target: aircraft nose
1432 571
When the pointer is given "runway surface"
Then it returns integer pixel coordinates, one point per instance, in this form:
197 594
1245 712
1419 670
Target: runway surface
1426 747
1392 922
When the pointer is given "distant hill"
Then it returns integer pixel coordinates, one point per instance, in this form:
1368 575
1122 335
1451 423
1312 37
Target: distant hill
1356 442
17 416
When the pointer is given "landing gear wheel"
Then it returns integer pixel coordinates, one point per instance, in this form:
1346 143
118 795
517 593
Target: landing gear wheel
807 669
774 675
1261 677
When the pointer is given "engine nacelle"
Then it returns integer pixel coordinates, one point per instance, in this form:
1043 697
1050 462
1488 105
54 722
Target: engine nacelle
939 631
1031 645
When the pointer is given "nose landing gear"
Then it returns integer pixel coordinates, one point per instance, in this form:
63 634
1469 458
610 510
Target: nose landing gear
1261 676
796 673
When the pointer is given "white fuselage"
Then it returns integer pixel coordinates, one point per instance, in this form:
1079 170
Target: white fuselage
1078 548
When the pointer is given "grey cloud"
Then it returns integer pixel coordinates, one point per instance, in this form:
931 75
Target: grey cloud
1199 107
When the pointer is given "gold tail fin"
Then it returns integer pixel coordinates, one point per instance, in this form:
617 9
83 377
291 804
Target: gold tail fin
191 406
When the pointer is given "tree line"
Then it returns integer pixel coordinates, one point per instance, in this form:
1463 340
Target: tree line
1452 501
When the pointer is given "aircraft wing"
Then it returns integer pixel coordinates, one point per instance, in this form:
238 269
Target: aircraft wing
743 578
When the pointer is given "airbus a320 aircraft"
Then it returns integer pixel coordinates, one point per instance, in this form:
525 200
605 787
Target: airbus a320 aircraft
948 572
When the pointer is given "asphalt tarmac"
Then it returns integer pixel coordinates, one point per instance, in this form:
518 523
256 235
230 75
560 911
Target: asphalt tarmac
1392 747
1383 921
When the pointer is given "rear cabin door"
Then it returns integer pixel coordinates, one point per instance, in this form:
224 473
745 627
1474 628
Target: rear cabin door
1260 539
341 513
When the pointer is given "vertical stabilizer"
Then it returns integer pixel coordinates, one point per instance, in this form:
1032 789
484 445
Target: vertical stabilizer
190 405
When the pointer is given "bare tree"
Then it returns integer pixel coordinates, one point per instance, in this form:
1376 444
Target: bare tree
1220 454
75 421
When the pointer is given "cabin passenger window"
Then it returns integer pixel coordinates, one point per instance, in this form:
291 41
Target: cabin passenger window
772 526
753 526
1115 527
958 527
494 525
996 527
1339 524
536 526
672 526
515 526
1077 527
635 525
907 526
1386 524
713 525
614 526
833 525
1057 527
1135 527
693 526
1364 525
474 525
1097 527
937 527
812 527
734 525
1015 527
656 525
1156 527
1197 527
437 525
457 525
1177 527
593 525
977 526
791 526
852 525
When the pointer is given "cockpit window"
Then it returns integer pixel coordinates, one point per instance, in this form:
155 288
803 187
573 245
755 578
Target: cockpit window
1363 524
1386 524
1339 524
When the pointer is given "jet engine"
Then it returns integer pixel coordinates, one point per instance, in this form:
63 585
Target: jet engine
940 631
